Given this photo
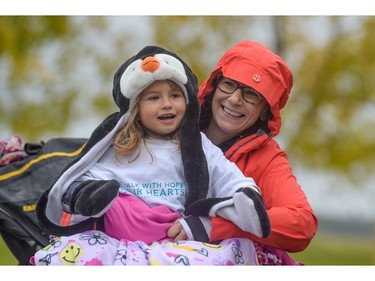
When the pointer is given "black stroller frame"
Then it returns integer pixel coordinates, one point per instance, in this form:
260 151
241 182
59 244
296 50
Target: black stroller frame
21 184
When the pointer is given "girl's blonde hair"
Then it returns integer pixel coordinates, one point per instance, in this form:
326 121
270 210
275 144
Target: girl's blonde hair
127 139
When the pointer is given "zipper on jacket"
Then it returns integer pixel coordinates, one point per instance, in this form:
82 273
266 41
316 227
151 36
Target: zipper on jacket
259 133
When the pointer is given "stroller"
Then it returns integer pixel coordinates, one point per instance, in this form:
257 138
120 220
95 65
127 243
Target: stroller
26 171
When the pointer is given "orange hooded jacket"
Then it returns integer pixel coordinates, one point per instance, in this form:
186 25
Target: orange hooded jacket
258 155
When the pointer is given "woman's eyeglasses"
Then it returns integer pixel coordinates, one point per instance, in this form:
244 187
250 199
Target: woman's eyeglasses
229 86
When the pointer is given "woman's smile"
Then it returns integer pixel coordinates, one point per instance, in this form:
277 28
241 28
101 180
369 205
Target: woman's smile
231 112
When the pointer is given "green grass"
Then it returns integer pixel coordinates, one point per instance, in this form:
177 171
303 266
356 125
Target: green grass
323 250
6 256
328 249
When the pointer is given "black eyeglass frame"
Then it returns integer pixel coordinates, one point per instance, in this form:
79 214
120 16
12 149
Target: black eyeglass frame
220 76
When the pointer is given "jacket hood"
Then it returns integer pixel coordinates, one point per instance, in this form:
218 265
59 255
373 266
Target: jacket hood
154 63
255 65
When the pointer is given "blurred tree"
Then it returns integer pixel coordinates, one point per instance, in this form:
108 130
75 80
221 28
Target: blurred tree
26 110
55 71
332 112
21 36
331 107
200 40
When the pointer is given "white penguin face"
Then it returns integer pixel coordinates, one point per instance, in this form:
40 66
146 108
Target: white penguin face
142 73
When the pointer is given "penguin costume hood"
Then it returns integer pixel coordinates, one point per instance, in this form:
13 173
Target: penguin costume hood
152 63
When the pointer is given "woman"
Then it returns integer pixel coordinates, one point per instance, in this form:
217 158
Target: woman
240 112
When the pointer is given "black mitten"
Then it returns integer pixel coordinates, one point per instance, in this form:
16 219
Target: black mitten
91 197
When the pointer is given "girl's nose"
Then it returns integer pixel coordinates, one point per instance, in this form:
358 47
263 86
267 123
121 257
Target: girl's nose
166 103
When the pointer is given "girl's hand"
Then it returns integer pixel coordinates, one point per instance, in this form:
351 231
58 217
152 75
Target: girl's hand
177 232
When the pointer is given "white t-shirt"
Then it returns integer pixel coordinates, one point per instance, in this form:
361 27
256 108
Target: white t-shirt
158 178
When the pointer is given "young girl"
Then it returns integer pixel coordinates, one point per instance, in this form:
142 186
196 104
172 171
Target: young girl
144 168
